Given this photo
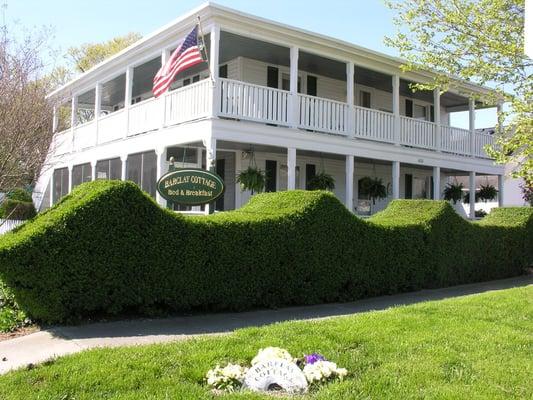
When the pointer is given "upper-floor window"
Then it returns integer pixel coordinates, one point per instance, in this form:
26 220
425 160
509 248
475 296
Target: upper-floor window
365 100
420 112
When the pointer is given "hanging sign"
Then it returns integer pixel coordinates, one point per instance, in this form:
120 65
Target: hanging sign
190 186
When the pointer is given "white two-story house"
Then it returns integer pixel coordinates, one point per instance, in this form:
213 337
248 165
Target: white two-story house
291 101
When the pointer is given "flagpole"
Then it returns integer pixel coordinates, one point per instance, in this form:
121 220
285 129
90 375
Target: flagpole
204 48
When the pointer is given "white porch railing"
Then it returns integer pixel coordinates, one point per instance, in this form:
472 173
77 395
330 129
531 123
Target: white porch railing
84 136
418 133
7 225
145 116
250 102
112 127
188 103
480 141
374 124
455 140
323 115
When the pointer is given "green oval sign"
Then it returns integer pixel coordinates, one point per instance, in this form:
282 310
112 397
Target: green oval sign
190 186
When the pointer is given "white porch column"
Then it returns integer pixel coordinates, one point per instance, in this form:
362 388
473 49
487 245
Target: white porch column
74 111
436 183
214 66
293 104
499 116
210 165
161 154
396 107
472 194
291 168
70 168
52 189
127 98
238 168
97 107
395 179
350 88
93 170
55 119
472 124
501 185
350 169
436 114
123 171
165 54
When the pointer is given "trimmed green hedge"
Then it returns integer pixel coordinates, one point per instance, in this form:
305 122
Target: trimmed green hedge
107 248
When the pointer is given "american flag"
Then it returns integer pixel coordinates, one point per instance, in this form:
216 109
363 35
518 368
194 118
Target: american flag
185 56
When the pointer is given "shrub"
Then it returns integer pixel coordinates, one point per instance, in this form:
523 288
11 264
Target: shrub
15 209
108 248
20 195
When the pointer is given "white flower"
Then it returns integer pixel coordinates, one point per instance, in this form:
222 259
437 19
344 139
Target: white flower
228 378
271 353
322 371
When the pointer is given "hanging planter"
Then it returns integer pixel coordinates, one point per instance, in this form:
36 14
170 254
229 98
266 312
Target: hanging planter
252 178
487 193
453 192
322 181
373 188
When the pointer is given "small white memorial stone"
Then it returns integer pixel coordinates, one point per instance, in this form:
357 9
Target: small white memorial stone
275 374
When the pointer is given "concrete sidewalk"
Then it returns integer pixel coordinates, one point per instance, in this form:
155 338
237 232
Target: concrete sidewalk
58 341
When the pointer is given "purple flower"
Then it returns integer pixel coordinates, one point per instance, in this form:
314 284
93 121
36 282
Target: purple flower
313 358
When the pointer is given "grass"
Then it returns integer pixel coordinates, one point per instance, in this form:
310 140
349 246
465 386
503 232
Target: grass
11 316
473 347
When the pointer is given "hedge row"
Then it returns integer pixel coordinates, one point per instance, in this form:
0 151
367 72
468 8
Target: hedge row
108 248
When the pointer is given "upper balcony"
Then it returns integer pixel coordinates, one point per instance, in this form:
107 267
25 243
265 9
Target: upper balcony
256 78
250 102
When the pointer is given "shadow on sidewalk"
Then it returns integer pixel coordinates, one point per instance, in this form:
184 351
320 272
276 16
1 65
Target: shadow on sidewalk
174 327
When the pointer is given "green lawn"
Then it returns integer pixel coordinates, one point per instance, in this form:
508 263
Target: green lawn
474 347
11 316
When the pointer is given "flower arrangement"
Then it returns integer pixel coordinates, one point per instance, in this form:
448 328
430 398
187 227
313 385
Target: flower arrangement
315 367
271 353
228 378
322 371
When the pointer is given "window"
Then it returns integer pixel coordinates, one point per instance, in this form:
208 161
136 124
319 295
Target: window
196 78
286 82
81 173
271 174
221 171
409 108
272 77
223 71
109 169
420 112
366 100
141 169
183 155
60 184
310 173
311 85
408 186
186 82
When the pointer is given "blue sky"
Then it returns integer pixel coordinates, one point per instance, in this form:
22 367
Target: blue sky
363 22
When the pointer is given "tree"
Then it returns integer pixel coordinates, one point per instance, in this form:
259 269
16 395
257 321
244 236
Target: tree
25 114
481 41
87 55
